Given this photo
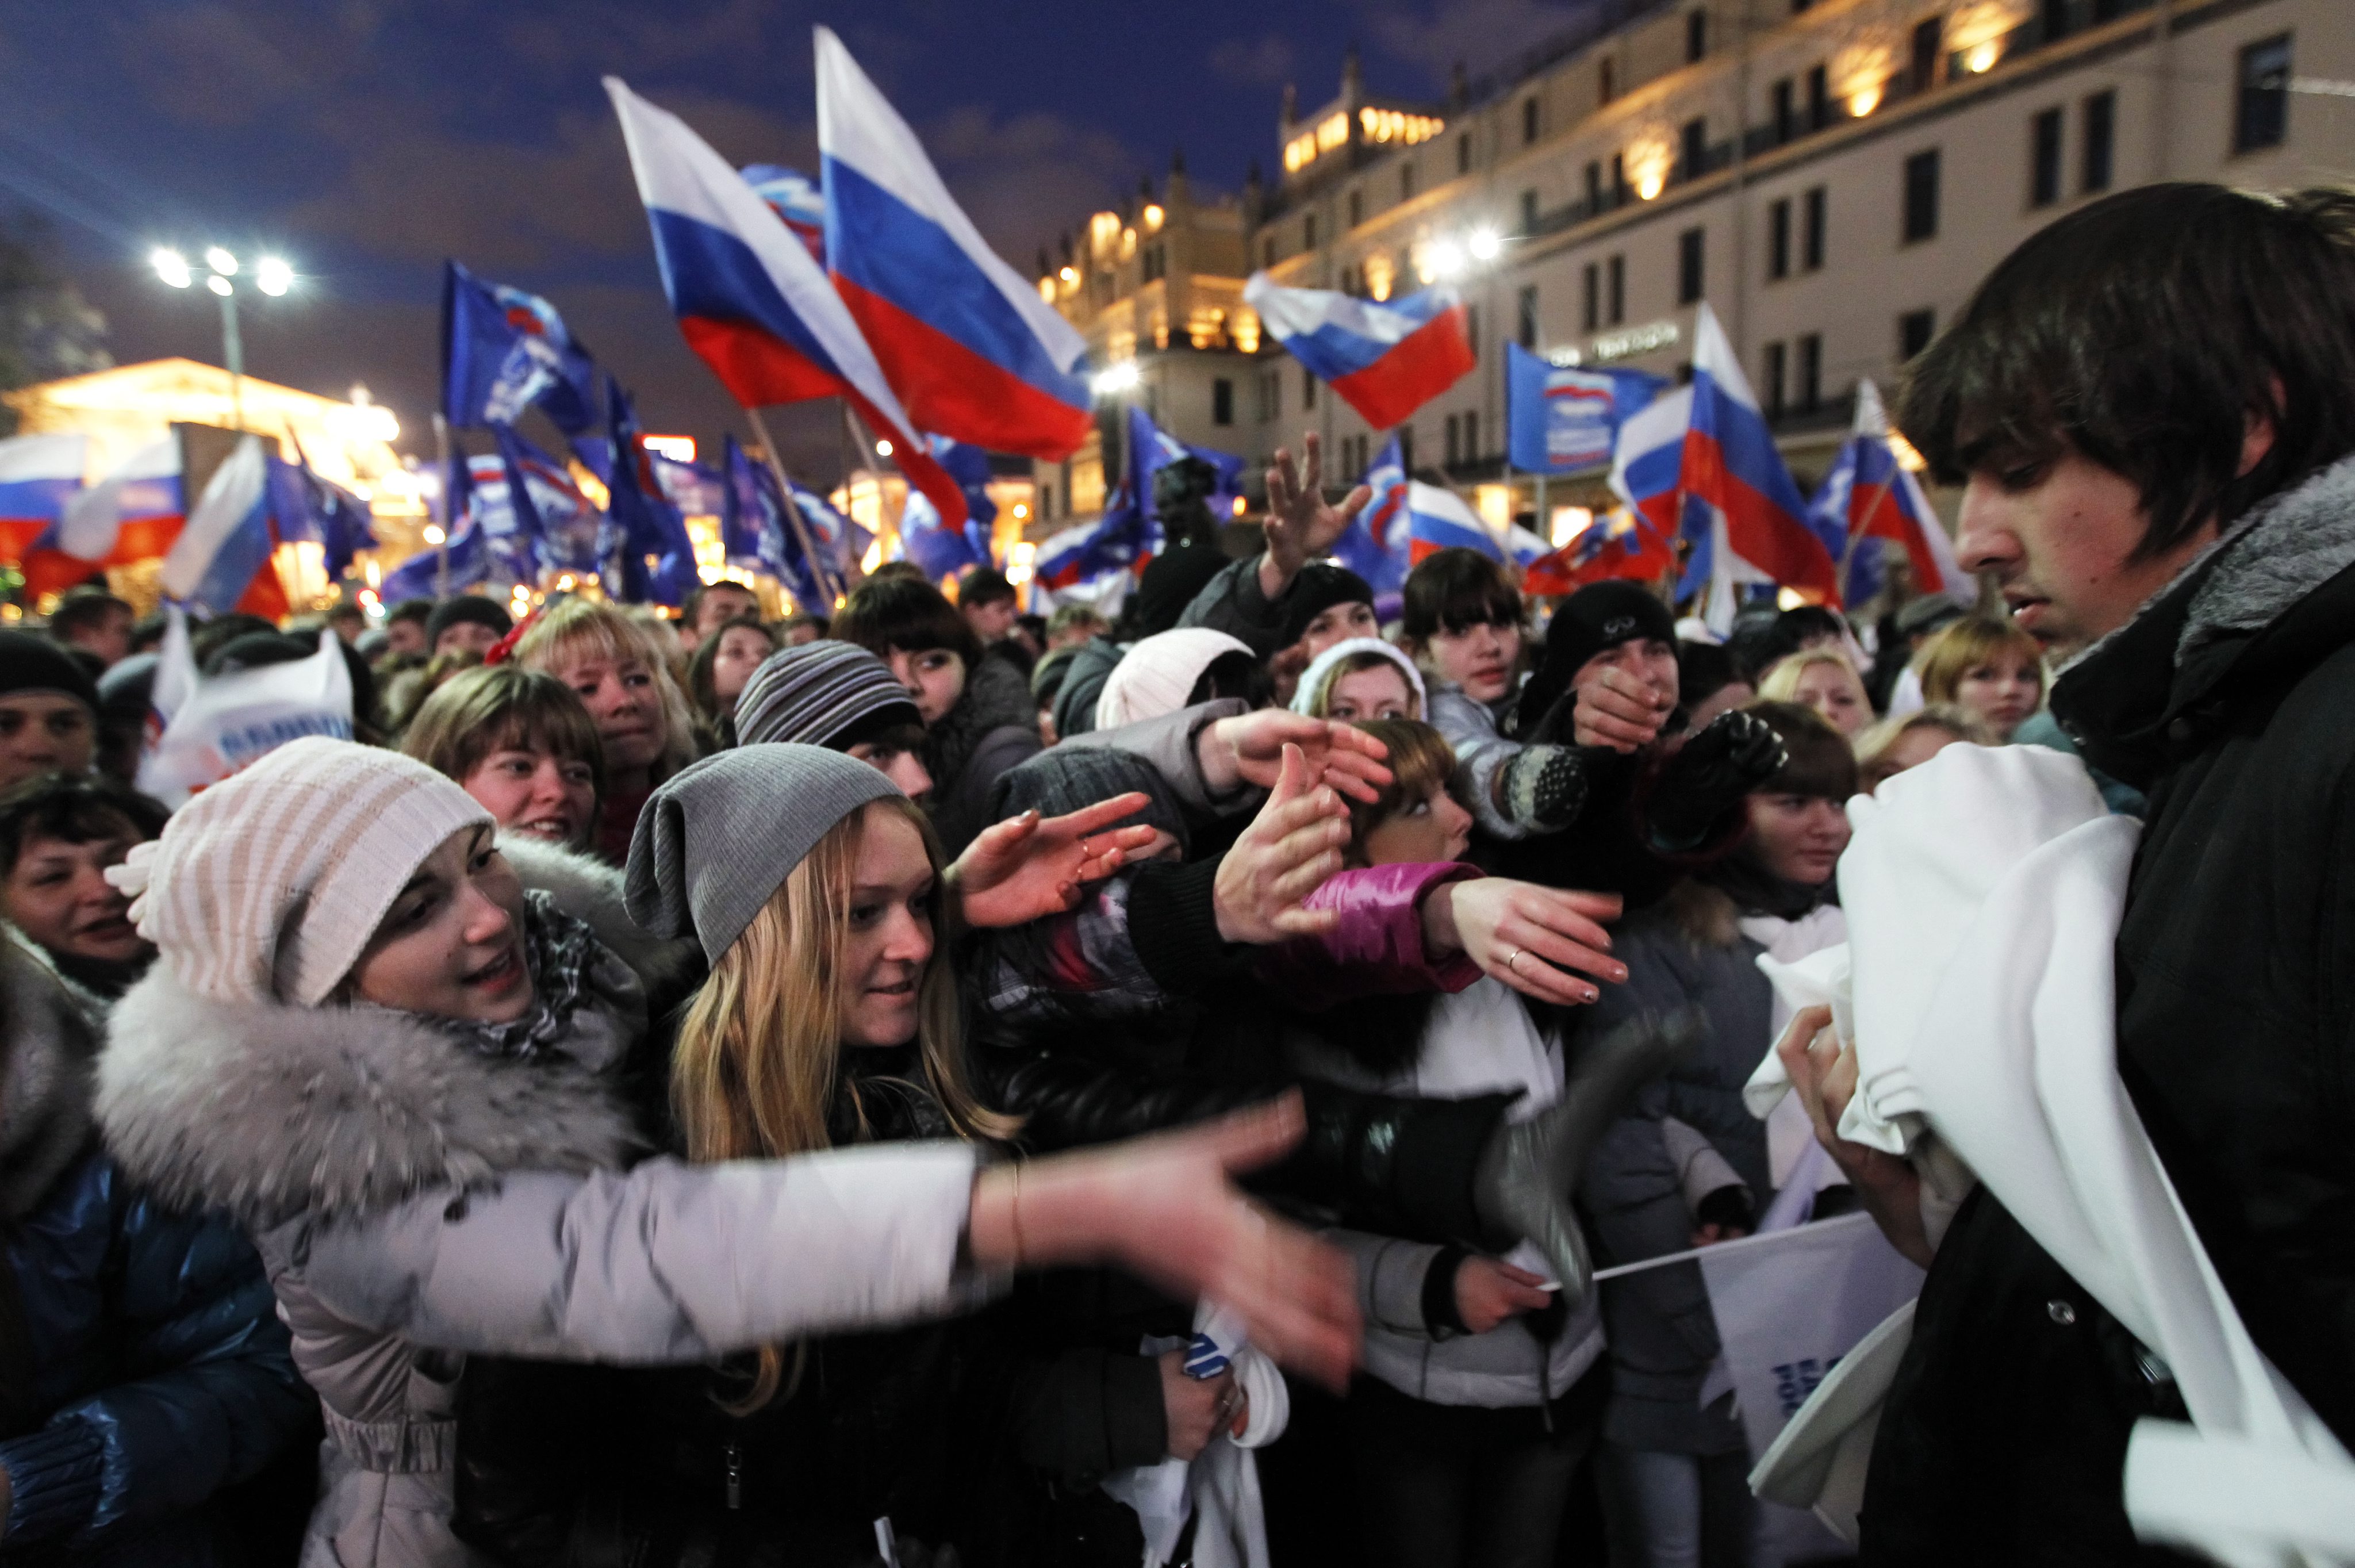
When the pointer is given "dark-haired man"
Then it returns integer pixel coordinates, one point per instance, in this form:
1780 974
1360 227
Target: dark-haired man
2151 404
94 621
715 605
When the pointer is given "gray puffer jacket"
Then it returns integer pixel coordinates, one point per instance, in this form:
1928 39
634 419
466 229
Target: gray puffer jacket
415 1199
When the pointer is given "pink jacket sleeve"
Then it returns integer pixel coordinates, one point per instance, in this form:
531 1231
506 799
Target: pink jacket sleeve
1377 946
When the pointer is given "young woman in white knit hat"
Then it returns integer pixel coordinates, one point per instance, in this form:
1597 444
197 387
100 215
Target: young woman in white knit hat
363 1042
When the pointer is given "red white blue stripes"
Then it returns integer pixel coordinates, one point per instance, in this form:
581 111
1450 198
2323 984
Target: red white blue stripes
39 474
221 562
1385 361
1438 519
973 351
1871 501
1730 463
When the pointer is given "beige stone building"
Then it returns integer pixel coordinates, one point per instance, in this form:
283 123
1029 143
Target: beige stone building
1833 178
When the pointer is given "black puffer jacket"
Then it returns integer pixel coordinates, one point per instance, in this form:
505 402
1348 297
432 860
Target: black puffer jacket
2231 700
991 728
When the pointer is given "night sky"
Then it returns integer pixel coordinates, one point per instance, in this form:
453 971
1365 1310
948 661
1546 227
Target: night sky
365 141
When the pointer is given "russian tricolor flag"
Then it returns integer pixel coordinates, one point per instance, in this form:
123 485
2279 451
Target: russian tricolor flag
964 338
1869 500
749 298
221 560
39 474
1438 519
1376 544
132 514
1385 361
1760 529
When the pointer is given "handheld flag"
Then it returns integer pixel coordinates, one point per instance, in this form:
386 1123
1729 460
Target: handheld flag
39 474
219 726
1376 543
1152 449
503 351
792 195
758 534
842 543
309 509
750 301
132 514
657 558
1438 519
1560 418
1759 528
1385 361
964 338
1619 544
220 562
941 549
1869 500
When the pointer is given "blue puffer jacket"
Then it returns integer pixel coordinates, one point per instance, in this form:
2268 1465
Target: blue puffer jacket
157 1355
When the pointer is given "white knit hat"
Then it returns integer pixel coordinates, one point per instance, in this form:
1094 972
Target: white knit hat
1157 675
1313 695
269 885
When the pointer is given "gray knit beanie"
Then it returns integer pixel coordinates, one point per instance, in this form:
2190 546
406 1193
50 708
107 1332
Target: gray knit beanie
720 836
819 694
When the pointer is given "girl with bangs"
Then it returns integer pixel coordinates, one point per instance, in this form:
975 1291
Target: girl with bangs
1990 670
643 720
520 742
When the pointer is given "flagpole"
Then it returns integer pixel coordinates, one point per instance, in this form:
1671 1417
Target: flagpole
1847 551
449 523
792 511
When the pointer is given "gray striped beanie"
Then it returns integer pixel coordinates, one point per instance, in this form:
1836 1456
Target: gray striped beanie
820 692
719 837
269 885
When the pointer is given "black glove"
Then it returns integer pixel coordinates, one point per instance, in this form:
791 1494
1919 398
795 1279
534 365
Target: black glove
1732 756
1528 1173
1545 787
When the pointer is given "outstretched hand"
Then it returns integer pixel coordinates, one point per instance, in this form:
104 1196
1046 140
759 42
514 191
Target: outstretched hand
1166 1209
1249 748
1823 1075
1023 867
1290 849
1300 524
1490 1290
1526 935
1619 710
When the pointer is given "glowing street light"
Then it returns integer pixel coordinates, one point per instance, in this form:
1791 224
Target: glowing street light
883 449
1484 243
433 534
273 275
172 267
1447 259
1117 378
221 261
220 285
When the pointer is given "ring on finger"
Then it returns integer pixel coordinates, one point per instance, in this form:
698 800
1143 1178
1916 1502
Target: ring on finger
1513 959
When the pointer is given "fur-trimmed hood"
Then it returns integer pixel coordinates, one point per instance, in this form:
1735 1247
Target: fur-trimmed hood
47 1044
591 891
270 1111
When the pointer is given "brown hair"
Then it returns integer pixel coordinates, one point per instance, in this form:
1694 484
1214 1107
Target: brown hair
759 1057
1817 760
498 708
1420 761
699 678
1962 646
582 628
1872 747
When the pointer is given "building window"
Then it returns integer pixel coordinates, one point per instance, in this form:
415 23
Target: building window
2100 146
1786 113
2044 158
1921 196
1691 276
1696 35
1307 390
1589 314
1914 330
1357 207
1047 500
1472 329
1406 182
1463 153
2054 16
1811 372
1528 324
1528 212
1155 260
1616 290
1696 149
1267 252
1472 436
1454 429
1618 179
2260 107
1270 389
1529 121
1778 239
1929 40
1819 99
1406 448
1606 80
1594 188
1774 373
1222 402
1813 219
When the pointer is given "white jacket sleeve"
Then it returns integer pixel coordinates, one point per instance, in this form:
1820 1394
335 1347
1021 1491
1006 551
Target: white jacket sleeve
666 1262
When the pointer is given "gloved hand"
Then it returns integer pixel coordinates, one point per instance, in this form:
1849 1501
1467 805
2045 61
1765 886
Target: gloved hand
1529 1172
1732 756
1545 787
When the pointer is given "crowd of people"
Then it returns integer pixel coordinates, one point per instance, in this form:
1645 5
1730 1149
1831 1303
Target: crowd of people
927 1083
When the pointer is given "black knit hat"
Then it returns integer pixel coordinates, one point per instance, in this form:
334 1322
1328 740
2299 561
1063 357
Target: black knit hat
464 609
29 663
1069 777
1320 585
1596 619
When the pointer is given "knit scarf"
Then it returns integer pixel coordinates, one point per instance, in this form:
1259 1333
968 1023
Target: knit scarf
560 951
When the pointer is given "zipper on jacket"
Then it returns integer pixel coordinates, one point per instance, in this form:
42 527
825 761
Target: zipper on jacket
735 1477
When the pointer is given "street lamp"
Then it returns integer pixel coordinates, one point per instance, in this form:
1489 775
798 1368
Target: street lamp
271 275
1484 243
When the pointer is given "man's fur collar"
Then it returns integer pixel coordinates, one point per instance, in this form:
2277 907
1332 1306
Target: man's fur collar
591 891
47 1043
271 1111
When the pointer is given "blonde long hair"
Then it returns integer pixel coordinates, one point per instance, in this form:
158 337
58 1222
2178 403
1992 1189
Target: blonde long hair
584 628
759 1057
